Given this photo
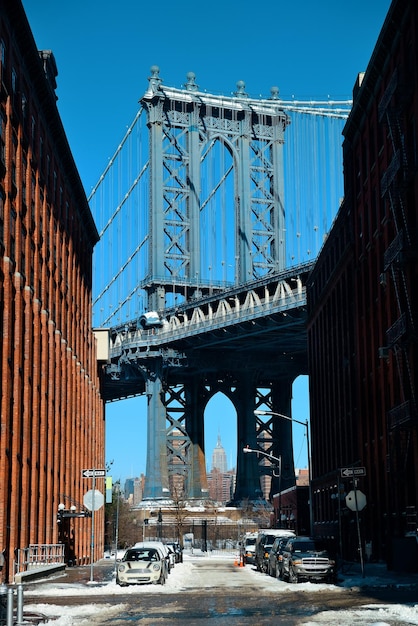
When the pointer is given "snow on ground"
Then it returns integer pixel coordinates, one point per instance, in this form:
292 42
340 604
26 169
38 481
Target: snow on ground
185 576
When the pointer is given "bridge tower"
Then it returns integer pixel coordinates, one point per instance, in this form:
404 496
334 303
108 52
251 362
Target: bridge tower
243 138
216 220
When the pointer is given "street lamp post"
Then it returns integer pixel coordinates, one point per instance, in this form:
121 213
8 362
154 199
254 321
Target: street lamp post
306 425
278 461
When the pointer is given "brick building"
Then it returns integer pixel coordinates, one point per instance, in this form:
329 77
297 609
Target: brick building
221 485
52 416
363 305
291 506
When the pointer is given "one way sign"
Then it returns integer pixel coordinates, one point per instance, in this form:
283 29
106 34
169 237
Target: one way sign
91 473
348 472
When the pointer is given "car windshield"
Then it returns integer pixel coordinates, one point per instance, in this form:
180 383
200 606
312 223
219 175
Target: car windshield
250 542
141 555
307 546
270 539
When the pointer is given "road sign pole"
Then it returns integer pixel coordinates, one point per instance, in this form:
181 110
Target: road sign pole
358 528
340 536
92 529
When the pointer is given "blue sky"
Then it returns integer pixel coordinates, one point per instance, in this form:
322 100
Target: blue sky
104 50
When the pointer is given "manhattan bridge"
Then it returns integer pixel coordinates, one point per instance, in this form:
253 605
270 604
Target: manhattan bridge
211 213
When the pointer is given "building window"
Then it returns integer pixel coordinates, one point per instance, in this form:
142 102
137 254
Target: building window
41 152
2 136
33 131
12 235
24 170
14 155
33 195
1 216
14 80
2 57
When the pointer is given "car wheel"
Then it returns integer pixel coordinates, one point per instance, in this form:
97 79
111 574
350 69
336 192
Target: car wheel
293 577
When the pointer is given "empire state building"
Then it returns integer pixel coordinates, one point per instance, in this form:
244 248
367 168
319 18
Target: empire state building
219 461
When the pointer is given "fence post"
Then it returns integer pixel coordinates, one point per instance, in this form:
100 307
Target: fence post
19 620
9 619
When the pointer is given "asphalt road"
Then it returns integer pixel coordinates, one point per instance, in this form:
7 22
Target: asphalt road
211 591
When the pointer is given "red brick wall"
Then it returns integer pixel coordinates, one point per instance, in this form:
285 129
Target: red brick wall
52 416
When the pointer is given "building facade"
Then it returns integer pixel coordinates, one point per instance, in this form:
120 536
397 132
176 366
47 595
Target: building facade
363 305
52 416
291 506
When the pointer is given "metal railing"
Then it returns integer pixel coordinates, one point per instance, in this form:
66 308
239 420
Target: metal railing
38 555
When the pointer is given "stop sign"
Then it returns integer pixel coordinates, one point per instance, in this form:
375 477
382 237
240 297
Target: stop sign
93 500
356 500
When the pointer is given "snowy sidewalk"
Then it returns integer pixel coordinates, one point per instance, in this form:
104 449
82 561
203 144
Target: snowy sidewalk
374 575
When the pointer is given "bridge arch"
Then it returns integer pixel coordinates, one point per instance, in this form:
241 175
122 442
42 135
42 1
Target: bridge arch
218 264
220 429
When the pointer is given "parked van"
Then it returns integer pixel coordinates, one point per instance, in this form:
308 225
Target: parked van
247 548
264 543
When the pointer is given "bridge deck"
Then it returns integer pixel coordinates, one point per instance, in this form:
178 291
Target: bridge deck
259 327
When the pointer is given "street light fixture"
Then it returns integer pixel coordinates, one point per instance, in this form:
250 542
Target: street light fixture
275 459
306 425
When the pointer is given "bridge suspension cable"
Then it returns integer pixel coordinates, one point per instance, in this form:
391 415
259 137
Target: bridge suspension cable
118 150
313 189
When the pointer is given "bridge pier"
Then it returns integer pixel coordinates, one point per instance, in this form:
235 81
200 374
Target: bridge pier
196 486
281 430
176 467
156 483
248 473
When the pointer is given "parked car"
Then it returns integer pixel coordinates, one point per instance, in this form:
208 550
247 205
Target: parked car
162 547
176 548
247 548
307 559
264 543
141 565
275 560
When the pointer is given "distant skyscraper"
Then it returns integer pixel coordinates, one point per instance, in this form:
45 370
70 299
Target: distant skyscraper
219 461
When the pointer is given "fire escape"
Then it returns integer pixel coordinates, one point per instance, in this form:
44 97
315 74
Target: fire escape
401 337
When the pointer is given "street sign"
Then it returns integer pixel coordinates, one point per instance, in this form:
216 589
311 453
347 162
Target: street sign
356 500
93 500
91 473
349 472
